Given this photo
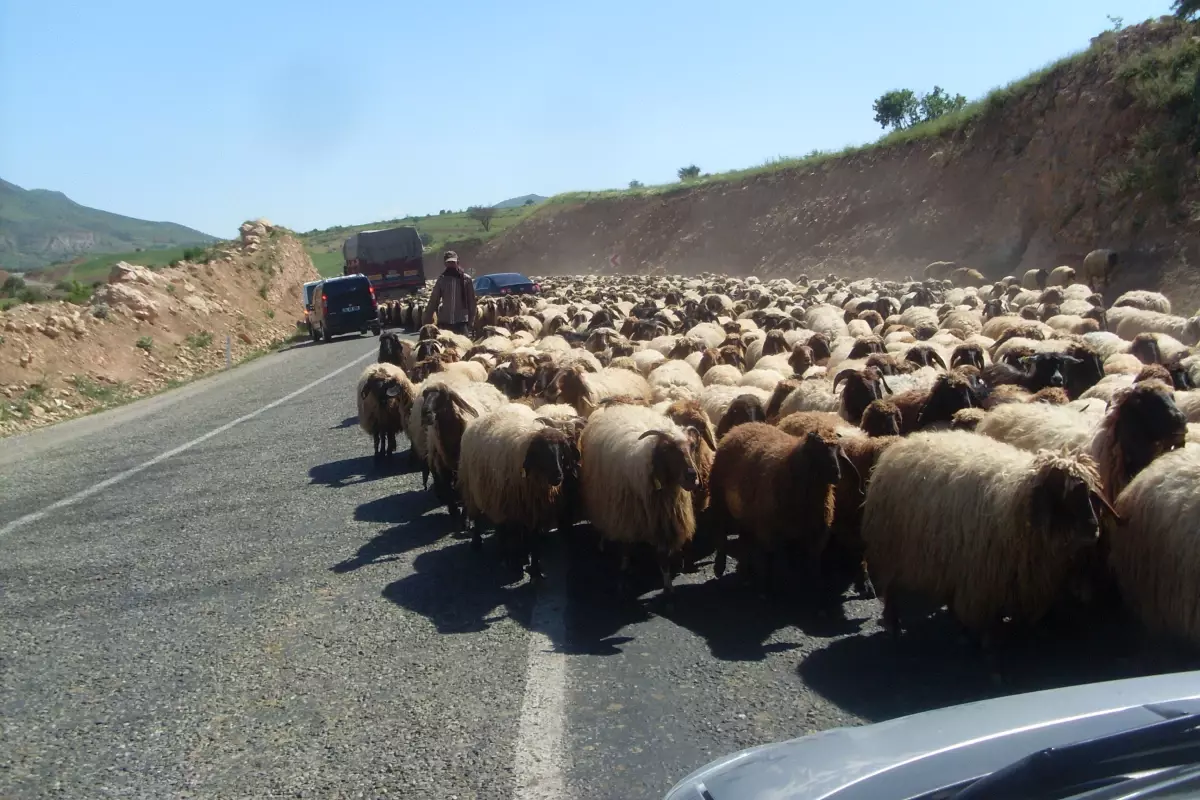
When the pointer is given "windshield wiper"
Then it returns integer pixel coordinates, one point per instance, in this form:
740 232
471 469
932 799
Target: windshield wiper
1092 763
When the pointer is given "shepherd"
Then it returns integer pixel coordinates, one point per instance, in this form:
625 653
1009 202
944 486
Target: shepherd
453 298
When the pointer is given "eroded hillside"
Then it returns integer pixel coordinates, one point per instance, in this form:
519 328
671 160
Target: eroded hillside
146 329
1098 151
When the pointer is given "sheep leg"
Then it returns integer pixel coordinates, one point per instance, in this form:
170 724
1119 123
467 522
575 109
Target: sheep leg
664 569
391 442
535 564
377 440
623 572
891 615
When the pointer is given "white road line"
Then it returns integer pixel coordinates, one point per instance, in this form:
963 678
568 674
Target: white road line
129 473
539 766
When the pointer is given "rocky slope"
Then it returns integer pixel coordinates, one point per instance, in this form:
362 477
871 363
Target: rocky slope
1100 151
146 329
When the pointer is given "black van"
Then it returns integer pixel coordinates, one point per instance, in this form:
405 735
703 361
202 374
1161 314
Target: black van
343 305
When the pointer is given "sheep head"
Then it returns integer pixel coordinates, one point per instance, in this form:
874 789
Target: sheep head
390 350
862 388
951 392
1147 423
865 346
428 332
782 390
969 353
774 343
744 408
925 355
817 459
548 456
1065 493
821 350
673 460
689 414
881 418
1145 348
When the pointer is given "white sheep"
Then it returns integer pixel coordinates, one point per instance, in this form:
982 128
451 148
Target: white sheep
1135 321
674 380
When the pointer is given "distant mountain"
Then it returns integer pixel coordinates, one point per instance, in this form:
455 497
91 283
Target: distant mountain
514 202
40 227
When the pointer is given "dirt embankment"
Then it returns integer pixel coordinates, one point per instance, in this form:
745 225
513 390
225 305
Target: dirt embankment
146 329
1098 152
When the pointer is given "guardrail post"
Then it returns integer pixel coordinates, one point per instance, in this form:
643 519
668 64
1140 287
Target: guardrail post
228 352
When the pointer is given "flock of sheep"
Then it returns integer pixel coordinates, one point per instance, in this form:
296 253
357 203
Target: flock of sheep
998 448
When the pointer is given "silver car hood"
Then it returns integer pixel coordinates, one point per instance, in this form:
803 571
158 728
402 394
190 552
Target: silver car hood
913 755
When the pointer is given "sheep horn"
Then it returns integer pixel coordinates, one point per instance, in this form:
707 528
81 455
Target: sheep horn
936 356
883 380
841 454
661 434
704 434
1104 502
838 378
545 421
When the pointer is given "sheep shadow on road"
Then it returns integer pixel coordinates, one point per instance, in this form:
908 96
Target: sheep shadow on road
878 677
461 590
413 530
361 469
348 422
738 625
596 614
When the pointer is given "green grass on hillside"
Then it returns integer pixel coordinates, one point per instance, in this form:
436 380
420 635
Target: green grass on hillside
96 268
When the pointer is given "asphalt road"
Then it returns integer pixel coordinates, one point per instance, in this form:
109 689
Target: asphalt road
216 593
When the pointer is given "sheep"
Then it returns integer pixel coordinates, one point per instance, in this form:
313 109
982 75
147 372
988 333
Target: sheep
846 536
1141 423
765 379
744 408
394 350
922 408
996 532
1060 276
646 360
584 390
1135 321
1035 279
688 414
716 398
1152 546
861 389
414 425
1145 300
965 276
724 374
511 471
1098 269
773 489
637 475
674 380
446 411
382 392
881 418
826 319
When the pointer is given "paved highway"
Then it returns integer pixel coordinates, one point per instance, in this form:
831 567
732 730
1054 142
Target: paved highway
215 593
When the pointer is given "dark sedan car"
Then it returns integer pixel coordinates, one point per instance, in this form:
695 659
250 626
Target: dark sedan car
505 283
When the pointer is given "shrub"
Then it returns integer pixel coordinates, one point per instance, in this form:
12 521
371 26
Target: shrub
635 184
270 313
12 286
199 341
145 343
688 173
100 311
31 295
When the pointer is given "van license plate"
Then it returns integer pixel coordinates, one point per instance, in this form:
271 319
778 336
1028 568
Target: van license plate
348 309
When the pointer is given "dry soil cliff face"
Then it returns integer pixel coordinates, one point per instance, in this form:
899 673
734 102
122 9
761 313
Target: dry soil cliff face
59 360
1060 167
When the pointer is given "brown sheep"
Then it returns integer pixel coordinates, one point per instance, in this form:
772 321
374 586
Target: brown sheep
881 418
773 489
744 408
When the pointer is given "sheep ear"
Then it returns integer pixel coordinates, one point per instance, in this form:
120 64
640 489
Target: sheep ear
886 388
841 454
936 356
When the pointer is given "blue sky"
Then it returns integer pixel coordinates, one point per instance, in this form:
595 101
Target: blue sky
317 114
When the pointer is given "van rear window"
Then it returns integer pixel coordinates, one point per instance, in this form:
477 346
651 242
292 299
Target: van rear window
345 288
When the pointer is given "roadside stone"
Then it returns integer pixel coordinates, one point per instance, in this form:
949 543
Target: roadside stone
245 337
123 272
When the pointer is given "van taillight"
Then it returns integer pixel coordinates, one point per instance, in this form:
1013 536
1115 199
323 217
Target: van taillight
325 303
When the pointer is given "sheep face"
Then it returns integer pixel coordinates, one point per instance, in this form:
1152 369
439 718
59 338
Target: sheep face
428 332
548 457
774 343
744 408
1064 503
951 393
673 463
1086 372
925 356
426 367
800 359
821 350
428 348
390 350
993 308
865 346
881 418
1148 424
862 388
1145 348
1047 369
817 459
971 354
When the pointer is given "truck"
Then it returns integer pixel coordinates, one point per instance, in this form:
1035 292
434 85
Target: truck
392 260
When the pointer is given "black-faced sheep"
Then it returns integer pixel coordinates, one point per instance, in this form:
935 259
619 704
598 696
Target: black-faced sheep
446 410
637 476
383 392
511 471
744 408
922 408
862 388
995 533
394 350
881 418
